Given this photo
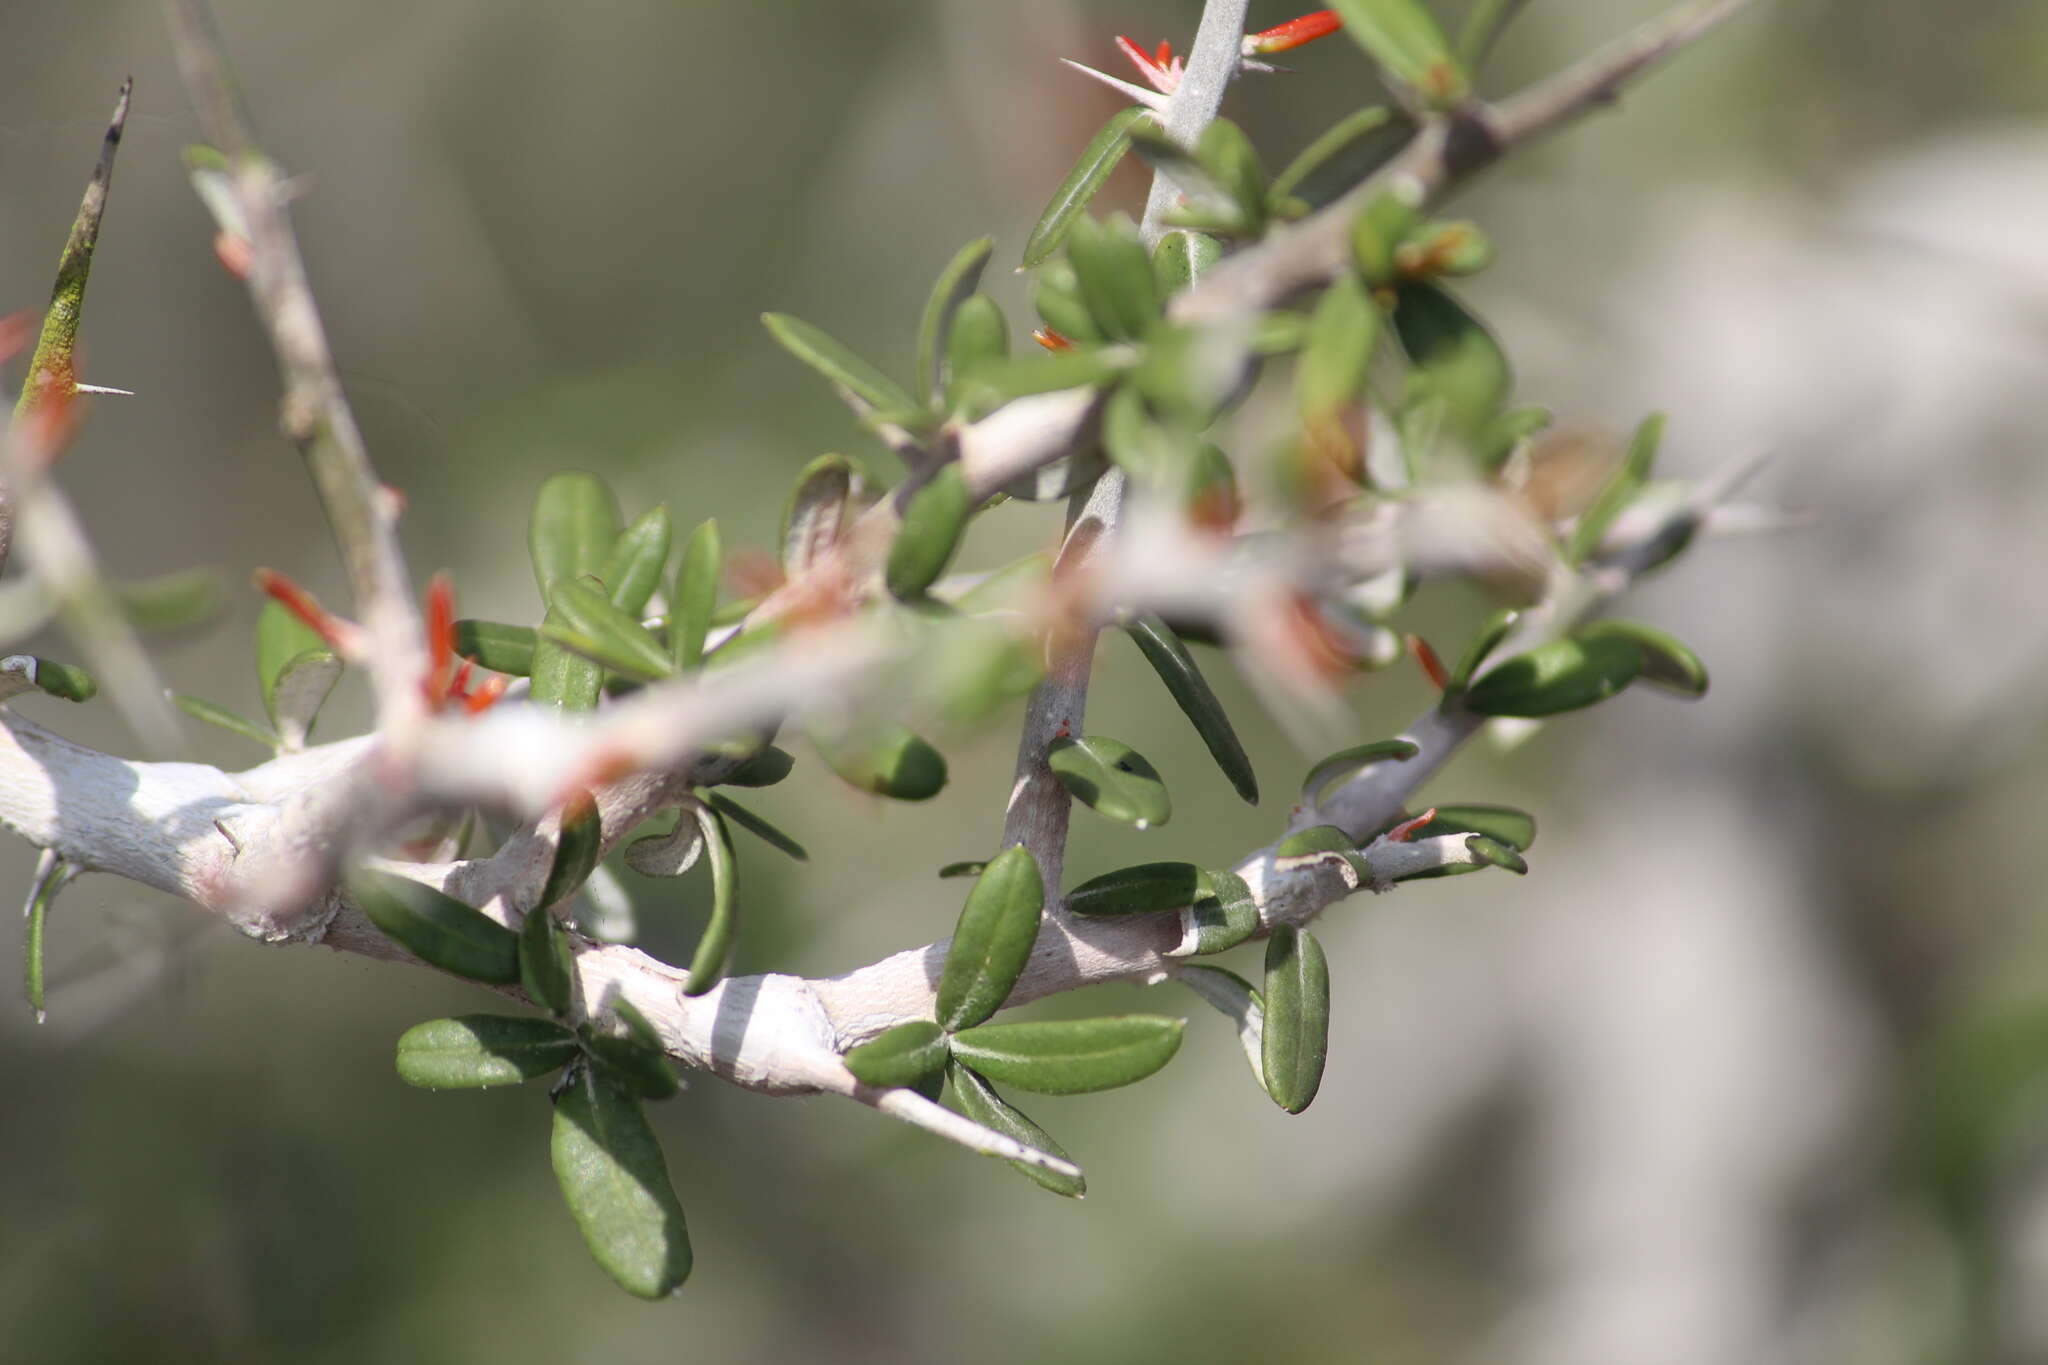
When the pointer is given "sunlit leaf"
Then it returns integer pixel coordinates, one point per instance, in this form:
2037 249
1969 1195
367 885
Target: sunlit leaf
1110 778
934 519
617 1187
1563 675
903 1056
1191 693
992 940
979 1101
581 618
1405 39
861 383
574 522
1666 661
696 593
889 761
494 645
1222 915
1297 1017
955 283
638 561
474 1051
1115 276
437 928
1070 1056
1098 159
1137 890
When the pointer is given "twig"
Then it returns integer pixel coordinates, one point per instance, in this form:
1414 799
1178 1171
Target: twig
1211 65
316 415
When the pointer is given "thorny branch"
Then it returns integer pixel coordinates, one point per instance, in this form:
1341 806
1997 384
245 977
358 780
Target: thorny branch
183 828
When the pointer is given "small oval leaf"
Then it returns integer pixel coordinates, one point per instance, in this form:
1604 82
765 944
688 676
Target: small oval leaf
1222 915
1405 39
992 941
1112 779
890 762
1297 1017
575 520
1667 663
934 519
1098 159
617 1187
1115 276
638 560
1137 890
1345 764
1071 1056
473 1051
1455 358
904 1056
499 647
861 384
437 928
1563 675
979 1101
696 594
582 618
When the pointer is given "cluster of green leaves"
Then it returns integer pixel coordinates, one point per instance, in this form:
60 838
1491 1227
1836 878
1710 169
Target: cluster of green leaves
990 949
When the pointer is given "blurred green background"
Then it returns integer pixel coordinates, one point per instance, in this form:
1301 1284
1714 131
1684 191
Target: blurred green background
1750 1069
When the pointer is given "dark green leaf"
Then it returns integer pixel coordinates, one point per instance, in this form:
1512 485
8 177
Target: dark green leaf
67 680
1137 890
992 941
1666 662
479 1050
756 826
580 617
437 928
638 560
1110 778
1297 1023
766 767
816 511
979 336
496 646
979 1101
202 710
1498 854
1560 676
1348 763
633 1058
1070 1056
1515 828
1490 635
1222 915
578 849
1115 276
934 519
1350 150
561 679
547 962
890 761
1098 159
714 950
1618 491
866 387
616 1185
1316 845
696 593
956 282
52 872
1330 375
904 1056
1454 357
969 869
1378 231
1190 691
1182 258
1405 39
575 520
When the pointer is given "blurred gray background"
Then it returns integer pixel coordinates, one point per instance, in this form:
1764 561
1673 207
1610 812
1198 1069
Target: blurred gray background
1748 1070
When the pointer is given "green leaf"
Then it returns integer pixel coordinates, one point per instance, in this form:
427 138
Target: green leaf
1000 381
280 638
1227 154
1515 828
202 710
580 617
966 869
67 681
1315 845
1330 375
1297 1022
765 767
904 1056
992 941
1563 675
1098 159
1666 662
1222 915
756 826
547 962
577 850
172 601
1345 764
616 1185
1618 491
714 950
1406 41
696 594
1137 890
1235 999
861 384
1070 1056
1190 692
979 336
1496 853
1182 258
1110 778
1350 150
1377 233
956 282
817 508
575 520
634 1059
1115 276
437 928
1454 357
300 690
475 1051
638 560
934 519
52 873
499 647
561 679
1490 635
979 1101
890 761
1057 297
